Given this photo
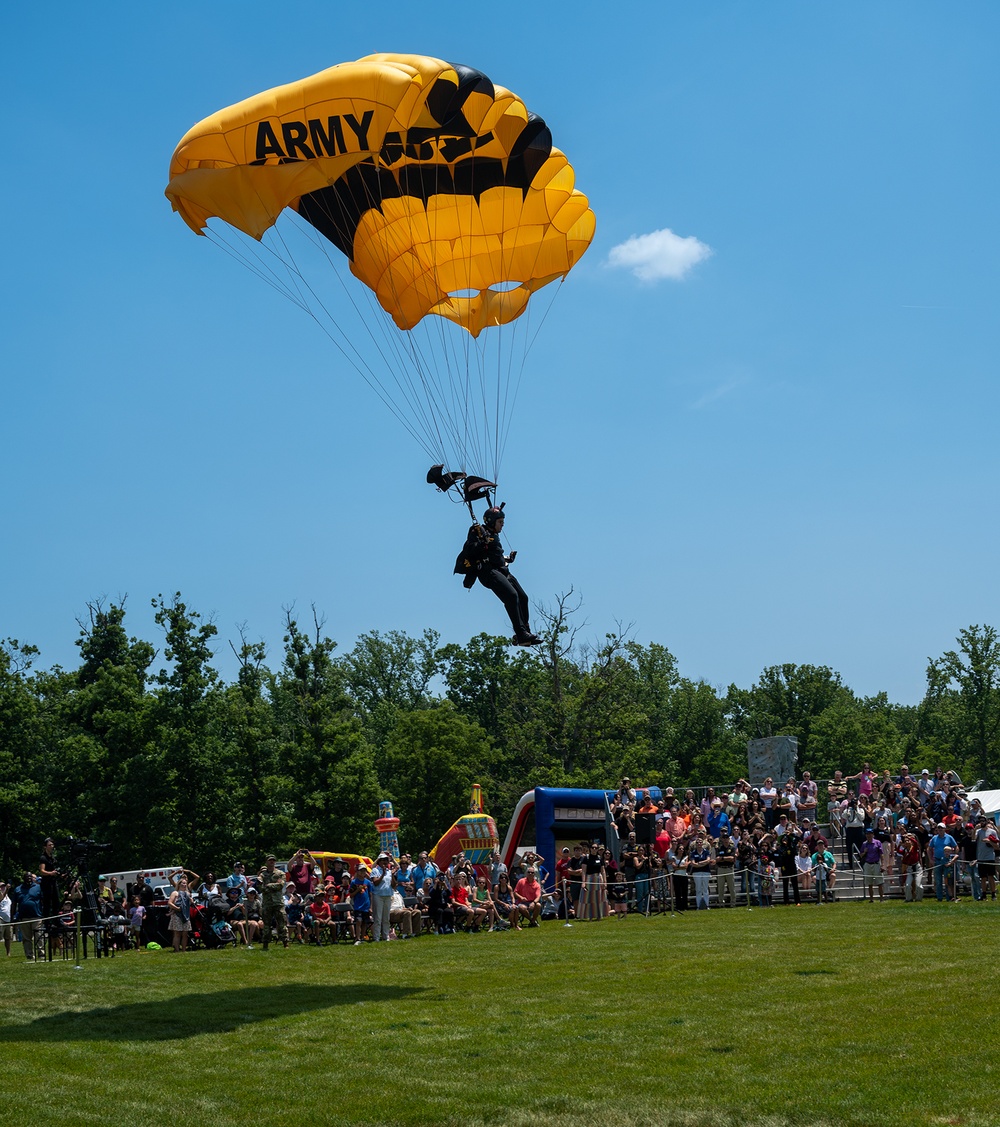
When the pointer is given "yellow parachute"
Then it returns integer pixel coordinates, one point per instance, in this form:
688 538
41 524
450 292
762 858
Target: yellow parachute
444 193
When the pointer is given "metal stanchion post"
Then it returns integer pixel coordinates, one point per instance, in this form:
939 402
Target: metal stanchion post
79 915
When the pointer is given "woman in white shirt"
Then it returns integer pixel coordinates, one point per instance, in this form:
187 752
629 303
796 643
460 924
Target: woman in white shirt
768 795
803 866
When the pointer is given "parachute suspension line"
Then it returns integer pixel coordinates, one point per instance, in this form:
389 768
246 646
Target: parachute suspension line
528 341
430 401
255 263
251 257
334 331
328 322
400 370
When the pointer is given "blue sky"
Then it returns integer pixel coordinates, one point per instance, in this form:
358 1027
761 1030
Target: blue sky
790 454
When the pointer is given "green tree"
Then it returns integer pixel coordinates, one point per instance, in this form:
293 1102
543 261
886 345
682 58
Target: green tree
20 793
786 701
192 812
433 756
324 755
106 722
963 700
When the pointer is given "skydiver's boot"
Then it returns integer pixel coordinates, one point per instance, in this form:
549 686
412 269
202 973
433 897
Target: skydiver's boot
527 639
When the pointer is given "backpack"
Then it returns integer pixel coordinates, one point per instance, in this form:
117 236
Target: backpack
470 558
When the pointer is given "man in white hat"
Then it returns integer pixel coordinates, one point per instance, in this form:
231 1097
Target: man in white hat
383 878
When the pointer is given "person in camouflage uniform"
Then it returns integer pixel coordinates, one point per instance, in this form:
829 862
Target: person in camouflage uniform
272 889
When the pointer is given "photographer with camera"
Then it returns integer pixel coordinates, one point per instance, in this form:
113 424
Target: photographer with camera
49 876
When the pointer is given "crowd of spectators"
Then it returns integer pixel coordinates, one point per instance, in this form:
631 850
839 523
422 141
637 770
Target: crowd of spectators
913 829
924 831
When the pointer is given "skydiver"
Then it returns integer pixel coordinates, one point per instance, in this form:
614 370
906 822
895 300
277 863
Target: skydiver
483 557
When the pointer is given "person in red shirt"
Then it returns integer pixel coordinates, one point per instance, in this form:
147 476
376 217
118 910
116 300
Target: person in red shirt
562 868
662 842
321 917
528 898
466 915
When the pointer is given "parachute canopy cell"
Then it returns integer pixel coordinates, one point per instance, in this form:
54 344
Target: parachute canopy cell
443 191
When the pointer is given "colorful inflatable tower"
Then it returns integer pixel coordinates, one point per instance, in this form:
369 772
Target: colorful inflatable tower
387 825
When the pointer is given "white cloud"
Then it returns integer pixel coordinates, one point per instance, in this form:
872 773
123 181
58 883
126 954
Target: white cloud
658 255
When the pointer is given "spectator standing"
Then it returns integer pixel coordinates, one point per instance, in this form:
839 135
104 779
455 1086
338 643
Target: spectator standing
272 890
180 915
28 915
987 849
965 835
824 866
836 799
788 801
593 901
807 796
48 878
786 852
854 828
643 875
940 852
866 780
404 876
300 872
117 894
136 914
910 872
717 820
383 881
574 877
768 798
677 865
617 897
361 899
425 869
871 865
6 908
700 862
725 865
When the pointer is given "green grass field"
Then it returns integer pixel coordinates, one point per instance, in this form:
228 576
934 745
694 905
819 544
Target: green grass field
851 1014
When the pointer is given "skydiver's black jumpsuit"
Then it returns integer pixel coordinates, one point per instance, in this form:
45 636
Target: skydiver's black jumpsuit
493 574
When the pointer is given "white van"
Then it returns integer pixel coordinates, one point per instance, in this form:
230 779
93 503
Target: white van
128 881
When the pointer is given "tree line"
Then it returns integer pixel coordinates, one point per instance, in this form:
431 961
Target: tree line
146 747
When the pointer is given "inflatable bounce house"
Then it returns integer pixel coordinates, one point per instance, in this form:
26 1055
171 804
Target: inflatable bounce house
474 834
547 818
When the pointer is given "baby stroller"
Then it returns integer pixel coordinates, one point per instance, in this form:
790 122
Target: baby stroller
212 929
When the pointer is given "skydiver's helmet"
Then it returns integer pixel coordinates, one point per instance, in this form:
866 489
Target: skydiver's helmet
492 515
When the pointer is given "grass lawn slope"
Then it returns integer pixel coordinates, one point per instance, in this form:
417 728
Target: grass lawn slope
847 1014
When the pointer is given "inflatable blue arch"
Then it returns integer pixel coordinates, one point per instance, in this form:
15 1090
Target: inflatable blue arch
547 818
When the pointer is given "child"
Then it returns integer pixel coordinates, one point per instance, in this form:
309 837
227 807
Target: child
294 911
361 896
618 896
116 927
136 916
